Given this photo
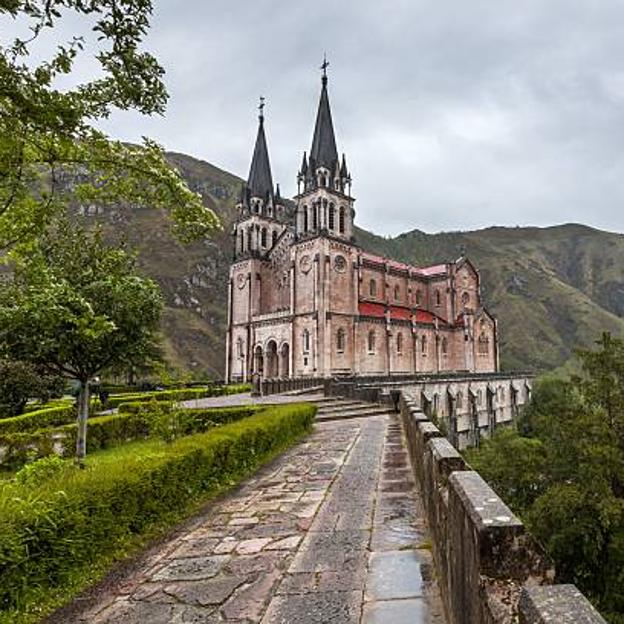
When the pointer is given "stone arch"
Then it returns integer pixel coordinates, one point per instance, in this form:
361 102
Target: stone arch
259 360
272 363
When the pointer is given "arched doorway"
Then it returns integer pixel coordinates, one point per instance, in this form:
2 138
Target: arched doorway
285 360
271 357
259 360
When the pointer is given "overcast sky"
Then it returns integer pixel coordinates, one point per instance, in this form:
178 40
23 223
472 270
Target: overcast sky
452 114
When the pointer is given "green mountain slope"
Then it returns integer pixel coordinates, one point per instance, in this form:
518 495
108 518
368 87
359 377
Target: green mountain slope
553 289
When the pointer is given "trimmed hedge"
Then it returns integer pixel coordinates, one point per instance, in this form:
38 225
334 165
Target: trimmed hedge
185 394
68 522
38 419
17 449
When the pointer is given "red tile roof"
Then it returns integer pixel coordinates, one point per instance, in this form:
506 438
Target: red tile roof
399 313
372 309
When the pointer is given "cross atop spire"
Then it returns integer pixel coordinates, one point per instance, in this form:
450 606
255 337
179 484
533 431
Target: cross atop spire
261 108
324 67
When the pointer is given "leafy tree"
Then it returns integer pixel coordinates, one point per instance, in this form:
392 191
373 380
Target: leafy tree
20 381
75 306
564 473
51 154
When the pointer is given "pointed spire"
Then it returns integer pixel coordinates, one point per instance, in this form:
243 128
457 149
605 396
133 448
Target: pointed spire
323 152
260 181
343 168
304 165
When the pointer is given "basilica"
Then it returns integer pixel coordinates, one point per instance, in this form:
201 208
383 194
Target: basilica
305 300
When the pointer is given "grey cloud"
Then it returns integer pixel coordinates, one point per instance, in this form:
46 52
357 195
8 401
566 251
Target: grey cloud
453 114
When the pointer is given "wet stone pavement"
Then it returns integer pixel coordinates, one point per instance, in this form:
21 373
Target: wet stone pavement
333 531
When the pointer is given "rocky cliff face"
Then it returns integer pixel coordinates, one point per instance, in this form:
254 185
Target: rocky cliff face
553 289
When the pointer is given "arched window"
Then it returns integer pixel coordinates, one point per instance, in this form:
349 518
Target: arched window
371 341
249 239
239 347
423 345
341 220
315 210
465 299
397 292
274 237
332 216
305 341
417 297
241 241
340 340
372 288
305 219
459 400
263 237
438 298
399 344
444 346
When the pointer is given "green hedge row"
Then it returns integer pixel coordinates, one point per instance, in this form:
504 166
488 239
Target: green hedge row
65 523
184 394
17 449
38 419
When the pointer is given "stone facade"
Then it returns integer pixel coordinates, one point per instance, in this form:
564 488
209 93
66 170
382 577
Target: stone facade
305 300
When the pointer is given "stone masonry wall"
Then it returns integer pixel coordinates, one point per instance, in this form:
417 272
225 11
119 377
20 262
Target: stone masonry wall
490 570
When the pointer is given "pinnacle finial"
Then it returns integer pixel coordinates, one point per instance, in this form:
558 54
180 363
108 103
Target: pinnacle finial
324 67
261 109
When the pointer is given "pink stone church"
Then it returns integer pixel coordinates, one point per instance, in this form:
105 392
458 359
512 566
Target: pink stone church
305 300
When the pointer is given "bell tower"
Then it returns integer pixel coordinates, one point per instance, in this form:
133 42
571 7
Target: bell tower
324 202
261 214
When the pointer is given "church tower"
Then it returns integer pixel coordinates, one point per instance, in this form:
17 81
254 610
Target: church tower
261 214
324 202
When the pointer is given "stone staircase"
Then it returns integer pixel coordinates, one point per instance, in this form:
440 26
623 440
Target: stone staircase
338 408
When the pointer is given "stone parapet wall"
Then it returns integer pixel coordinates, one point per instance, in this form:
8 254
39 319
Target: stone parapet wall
490 569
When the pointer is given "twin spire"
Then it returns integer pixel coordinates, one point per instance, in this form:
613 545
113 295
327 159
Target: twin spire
322 154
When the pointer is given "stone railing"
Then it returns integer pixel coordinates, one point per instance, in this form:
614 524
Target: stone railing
490 569
278 385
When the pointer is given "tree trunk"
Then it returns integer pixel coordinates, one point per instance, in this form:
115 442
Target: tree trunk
83 416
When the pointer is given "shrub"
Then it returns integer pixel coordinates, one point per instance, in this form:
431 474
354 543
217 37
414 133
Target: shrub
68 522
116 429
38 419
40 470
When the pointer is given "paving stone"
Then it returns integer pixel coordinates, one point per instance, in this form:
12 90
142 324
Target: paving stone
328 581
334 550
317 608
252 546
195 547
287 543
395 612
394 574
204 593
191 568
125 612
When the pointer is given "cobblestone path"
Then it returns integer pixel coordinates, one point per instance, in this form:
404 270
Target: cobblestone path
331 532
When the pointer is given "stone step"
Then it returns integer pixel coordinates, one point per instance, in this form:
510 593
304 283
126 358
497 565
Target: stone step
347 405
365 411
